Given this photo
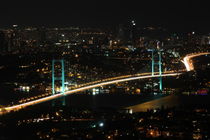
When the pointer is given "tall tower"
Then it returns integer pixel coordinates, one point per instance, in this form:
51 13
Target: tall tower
158 63
58 78
133 32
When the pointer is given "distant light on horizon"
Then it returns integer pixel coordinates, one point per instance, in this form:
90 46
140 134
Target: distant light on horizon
101 124
133 23
15 25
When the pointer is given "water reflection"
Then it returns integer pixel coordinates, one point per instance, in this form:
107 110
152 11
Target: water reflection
168 101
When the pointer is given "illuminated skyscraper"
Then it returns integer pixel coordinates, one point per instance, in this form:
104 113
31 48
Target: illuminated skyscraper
133 31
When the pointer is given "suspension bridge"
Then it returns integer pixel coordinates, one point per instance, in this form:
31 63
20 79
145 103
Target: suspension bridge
186 60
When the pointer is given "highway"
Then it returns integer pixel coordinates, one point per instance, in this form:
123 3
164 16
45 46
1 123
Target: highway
187 60
99 84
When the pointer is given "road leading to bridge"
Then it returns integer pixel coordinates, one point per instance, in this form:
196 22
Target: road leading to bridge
134 77
187 60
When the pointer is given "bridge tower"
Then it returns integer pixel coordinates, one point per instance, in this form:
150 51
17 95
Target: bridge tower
159 64
58 78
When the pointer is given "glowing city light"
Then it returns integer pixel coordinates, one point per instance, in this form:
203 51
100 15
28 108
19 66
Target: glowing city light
101 124
187 60
99 84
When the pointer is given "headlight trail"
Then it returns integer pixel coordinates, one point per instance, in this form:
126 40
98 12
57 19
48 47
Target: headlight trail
51 97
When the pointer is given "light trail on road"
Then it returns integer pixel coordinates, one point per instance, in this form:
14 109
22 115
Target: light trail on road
51 97
187 60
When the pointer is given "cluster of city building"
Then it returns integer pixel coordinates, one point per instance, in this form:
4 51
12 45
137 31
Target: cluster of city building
173 123
127 37
92 54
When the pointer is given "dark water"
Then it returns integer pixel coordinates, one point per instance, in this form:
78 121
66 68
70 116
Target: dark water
114 101
135 102
173 101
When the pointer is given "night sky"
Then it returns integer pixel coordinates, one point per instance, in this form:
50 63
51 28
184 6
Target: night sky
174 14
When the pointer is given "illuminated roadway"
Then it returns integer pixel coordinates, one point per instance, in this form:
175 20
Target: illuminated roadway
187 60
101 83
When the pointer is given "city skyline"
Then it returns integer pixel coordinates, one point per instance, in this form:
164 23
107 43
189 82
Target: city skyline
179 16
104 70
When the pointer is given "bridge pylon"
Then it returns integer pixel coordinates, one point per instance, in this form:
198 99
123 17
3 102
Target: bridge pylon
157 63
58 78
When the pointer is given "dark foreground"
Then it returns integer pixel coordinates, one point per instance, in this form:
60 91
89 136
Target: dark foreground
188 120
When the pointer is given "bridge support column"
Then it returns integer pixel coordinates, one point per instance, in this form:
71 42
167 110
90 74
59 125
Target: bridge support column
53 80
160 72
153 63
159 63
59 78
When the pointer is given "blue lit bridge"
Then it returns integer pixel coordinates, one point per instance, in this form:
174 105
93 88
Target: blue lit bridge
102 82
